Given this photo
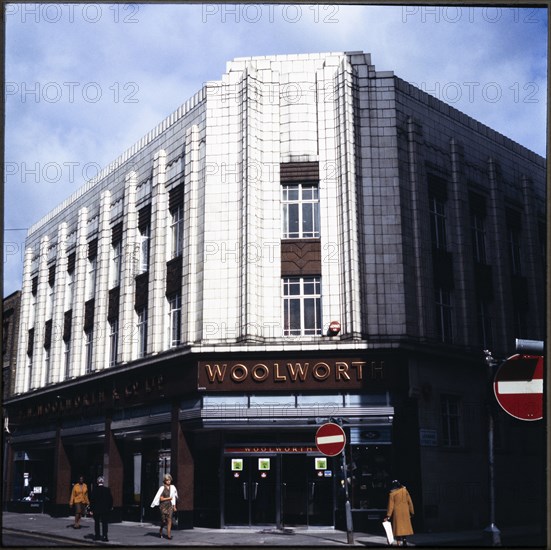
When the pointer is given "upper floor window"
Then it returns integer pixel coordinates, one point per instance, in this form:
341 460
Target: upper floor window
485 330
300 211
142 332
67 358
69 284
176 232
443 313
302 306
113 341
450 408
91 278
478 232
116 262
437 210
513 238
143 252
50 301
88 344
174 320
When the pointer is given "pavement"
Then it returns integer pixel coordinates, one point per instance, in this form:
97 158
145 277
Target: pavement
133 534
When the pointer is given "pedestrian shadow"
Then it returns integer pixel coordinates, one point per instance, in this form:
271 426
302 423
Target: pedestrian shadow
81 527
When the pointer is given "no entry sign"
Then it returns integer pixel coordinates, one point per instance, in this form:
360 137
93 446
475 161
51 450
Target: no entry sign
330 439
518 386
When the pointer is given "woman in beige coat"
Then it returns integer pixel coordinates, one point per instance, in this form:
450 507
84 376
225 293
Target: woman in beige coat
400 510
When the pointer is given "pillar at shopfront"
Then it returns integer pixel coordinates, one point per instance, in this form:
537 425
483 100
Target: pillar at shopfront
113 469
182 472
62 474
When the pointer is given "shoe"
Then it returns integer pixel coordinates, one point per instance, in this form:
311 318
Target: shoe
105 539
169 538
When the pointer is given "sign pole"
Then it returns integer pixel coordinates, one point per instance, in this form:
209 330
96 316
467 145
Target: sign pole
492 529
347 507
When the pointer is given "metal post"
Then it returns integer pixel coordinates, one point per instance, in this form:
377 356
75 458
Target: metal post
492 529
347 507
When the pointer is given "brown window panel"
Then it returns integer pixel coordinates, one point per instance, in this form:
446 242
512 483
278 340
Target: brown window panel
300 257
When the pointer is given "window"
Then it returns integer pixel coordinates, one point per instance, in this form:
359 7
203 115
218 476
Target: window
177 232
302 306
29 371
443 314
174 320
69 284
113 341
67 358
142 331
115 271
50 302
451 420
91 278
143 258
300 211
478 232
485 325
513 234
88 343
437 222
47 365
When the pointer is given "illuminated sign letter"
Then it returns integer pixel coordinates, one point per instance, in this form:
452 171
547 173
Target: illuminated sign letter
214 372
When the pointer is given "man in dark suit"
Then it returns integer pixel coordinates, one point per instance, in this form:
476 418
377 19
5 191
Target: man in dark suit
101 503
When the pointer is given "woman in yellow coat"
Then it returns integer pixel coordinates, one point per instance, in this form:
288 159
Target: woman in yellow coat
399 510
79 499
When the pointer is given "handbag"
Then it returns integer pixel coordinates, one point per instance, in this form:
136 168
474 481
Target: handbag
388 530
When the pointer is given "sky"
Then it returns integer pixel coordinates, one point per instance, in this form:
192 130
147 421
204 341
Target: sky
84 82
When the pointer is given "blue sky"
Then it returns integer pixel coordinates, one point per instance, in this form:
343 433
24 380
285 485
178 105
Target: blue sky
84 82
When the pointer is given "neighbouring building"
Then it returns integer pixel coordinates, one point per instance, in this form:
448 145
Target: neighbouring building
306 239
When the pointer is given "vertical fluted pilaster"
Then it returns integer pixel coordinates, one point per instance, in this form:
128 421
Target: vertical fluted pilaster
21 381
77 324
38 378
56 347
130 251
158 256
101 330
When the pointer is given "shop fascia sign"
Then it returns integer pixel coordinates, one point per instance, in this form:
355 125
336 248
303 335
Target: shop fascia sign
269 374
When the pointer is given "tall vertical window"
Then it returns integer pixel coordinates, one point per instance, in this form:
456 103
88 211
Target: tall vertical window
88 344
513 239
143 252
176 232
174 320
485 330
478 232
32 312
29 371
302 306
116 262
69 285
142 332
47 366
443 314
67 358
300 211
91 278
50 301
437 212
450 407
113 341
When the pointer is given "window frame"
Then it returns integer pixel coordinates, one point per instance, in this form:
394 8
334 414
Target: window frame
88 349
303 204
113 342
444 314
174 320
288 297
451 424
142 319
176 232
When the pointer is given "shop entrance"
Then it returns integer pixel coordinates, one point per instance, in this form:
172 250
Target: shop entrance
283 489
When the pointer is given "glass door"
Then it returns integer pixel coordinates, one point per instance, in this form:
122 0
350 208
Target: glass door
249 490
307 490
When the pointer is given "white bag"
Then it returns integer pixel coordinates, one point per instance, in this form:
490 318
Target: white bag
388 530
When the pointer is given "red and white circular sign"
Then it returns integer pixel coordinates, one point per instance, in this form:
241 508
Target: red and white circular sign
330 439
518 386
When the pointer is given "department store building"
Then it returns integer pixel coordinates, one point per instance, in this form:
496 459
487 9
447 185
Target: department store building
305 240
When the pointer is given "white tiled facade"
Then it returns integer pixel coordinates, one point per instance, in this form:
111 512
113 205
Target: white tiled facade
406 186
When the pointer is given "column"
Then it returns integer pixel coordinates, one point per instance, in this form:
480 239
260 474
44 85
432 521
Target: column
157 272
77 322
56 349
101 297
21 384
62 472
38 375
182 468
130 252
113 468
